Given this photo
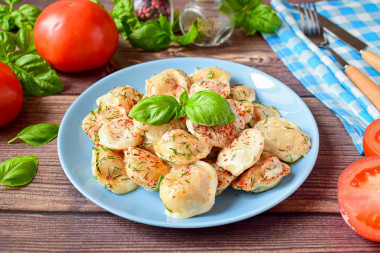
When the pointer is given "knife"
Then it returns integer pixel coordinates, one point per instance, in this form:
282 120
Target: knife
365 84
370 57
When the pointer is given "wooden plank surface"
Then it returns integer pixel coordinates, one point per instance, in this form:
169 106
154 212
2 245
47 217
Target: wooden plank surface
104 232
51 215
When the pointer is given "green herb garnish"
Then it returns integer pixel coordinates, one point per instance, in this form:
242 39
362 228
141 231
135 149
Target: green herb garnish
36 135
204 107
254 16
18 170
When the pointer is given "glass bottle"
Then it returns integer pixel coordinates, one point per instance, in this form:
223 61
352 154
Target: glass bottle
215 20
151 9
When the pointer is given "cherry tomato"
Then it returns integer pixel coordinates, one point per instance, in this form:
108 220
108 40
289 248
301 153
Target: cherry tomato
371 139
75 35
11 95
359 197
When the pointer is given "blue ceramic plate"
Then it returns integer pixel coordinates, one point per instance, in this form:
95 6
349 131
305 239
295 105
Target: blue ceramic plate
74 147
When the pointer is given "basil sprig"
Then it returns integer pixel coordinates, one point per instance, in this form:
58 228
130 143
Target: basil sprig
11 19
254 16
36 135
205 107
35 74
18 170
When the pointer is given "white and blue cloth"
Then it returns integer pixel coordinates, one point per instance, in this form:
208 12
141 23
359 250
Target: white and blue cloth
317 69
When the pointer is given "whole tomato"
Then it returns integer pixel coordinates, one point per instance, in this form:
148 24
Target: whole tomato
75 35
11 95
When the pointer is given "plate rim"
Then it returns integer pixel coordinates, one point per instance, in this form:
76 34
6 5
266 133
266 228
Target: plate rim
224 221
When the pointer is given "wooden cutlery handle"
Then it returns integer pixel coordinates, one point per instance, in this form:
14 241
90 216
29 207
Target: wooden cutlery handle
372 59
369 88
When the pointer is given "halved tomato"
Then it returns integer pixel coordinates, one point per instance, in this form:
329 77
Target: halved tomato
359 197
371 139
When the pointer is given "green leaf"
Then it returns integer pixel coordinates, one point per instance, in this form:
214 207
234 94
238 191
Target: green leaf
124 17
183 98
165 24
6 20
149 36
264 19
208 108
186 39
242 9
36 135
26 15
7 45
24 39
240 19
35 74
97 2
157 110
18 170
249 29
180 111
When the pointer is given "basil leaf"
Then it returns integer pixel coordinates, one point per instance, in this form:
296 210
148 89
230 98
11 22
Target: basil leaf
24 39
249 29
157 110
241 9
189 37
18 170
183 98
264 19
6 21
180 111
124 17
208 108
25 15
7 44
149 36
35 74
165 24
36 135
240 19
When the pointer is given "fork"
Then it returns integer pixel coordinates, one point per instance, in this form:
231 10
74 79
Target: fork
313 29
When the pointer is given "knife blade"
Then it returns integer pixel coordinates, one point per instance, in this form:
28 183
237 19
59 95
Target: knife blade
370 57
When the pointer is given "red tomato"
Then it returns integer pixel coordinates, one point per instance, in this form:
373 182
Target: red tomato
359 197
11 95
75 35
371 139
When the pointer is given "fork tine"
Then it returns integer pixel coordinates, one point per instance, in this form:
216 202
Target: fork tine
317 21
302 17
310 19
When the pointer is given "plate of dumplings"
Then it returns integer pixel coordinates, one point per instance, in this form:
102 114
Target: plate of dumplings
182 174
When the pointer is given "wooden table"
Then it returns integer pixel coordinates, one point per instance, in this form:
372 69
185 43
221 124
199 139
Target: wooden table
50 214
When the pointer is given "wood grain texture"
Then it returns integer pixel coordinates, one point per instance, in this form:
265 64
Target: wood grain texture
266 232
49 214
105 232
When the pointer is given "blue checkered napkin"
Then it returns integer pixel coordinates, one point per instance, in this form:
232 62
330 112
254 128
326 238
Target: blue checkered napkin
317 69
